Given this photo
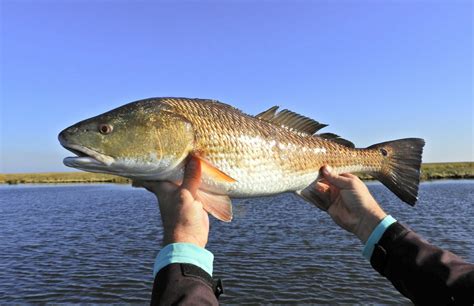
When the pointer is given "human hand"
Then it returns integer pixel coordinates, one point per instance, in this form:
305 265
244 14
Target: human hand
349 203
183 217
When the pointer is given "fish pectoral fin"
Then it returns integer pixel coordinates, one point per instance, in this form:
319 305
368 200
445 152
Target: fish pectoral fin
314 195
210 170
220 206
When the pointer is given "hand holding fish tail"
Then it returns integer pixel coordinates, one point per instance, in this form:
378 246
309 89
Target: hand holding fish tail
183 217
349 203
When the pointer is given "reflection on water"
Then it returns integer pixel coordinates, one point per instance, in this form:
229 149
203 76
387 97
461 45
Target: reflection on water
97 243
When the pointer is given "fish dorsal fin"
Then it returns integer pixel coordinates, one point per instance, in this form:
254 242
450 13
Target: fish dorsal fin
337 139
297 122
291 120
300 124
268 114
344 142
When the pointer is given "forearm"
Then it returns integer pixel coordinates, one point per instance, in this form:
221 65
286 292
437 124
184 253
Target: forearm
183 274
421 271
183 284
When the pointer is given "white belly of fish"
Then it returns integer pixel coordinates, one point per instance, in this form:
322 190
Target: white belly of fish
258 183
249 183
269 181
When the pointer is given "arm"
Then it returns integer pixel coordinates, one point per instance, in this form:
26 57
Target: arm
183 267
420 271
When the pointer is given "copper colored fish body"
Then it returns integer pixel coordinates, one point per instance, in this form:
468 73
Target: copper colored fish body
263 158
241 155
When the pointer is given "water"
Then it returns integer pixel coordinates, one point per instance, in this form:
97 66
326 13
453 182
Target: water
97 244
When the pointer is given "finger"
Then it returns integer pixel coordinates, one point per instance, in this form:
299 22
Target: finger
192 176
160 187
323 181
355 180
349 175
339 181
137 184
165 187
322 186
330 193
323 191
318 198
165 191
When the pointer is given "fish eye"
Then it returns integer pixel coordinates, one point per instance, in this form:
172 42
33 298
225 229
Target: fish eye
384 152
105 128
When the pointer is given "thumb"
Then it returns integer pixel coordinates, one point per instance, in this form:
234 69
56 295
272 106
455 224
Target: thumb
339 181
192 175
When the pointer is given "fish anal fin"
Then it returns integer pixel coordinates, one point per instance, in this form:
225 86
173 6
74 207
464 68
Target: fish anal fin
309 194
210 170
220 206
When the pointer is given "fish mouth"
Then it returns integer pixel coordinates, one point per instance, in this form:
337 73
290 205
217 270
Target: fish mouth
86 158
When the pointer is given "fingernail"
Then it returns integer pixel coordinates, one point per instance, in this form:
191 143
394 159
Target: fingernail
327 169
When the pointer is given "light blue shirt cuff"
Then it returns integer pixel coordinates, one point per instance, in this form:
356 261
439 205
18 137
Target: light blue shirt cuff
184 253
377 233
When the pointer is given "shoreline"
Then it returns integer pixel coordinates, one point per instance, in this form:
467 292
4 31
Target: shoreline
429 172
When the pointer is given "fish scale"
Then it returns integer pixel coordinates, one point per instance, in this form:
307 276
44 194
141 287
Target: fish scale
262 157
240 155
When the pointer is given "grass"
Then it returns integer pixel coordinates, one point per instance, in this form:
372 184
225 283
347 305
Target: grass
433 171
441 171
60 177
430 171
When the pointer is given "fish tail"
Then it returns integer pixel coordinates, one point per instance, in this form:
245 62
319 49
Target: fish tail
400 171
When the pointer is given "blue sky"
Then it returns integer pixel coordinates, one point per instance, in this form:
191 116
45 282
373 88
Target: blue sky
373 70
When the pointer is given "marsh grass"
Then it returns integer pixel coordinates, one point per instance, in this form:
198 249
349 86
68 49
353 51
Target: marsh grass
433 171
60 177
430 171
441 171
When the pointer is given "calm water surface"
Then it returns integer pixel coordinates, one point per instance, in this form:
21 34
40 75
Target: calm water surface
97 244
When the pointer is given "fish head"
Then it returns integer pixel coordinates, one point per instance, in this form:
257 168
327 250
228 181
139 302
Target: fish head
135 141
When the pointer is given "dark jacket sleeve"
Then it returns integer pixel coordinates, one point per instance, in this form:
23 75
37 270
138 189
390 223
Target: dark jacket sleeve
184 284
422 272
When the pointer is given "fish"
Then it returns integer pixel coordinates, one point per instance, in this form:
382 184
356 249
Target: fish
240 155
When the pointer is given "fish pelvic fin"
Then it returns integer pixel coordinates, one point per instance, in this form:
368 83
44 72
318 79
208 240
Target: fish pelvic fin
401 167
220 206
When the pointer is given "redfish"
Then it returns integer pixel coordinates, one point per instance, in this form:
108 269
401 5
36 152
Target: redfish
240 155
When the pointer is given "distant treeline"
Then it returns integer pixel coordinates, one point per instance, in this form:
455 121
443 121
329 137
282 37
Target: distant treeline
430 171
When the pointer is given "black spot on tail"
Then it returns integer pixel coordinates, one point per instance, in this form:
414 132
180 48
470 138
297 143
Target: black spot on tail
401 168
